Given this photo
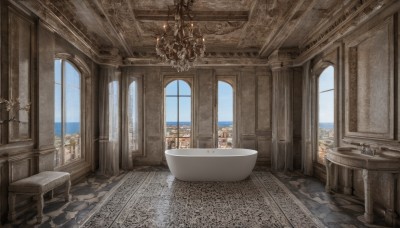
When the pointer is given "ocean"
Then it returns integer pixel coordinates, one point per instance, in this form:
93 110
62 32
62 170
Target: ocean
220 124
326 125
74 127
70 128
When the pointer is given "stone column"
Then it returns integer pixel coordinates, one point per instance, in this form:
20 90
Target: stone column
204 134
45 98
282 111
348 189
390 213
369 213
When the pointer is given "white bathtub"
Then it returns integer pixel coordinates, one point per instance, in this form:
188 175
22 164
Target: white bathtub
211 164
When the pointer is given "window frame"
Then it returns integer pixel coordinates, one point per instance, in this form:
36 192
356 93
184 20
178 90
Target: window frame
231 80
86 162
319 69
126 82
131 81
189 81
63 109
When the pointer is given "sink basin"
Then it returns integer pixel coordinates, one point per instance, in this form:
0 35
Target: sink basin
345 149
380 154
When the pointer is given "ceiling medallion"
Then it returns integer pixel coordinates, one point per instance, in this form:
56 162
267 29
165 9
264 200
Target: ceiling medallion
181 43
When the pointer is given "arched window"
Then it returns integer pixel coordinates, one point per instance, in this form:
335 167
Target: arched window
225 115
178 115
326 112
67 111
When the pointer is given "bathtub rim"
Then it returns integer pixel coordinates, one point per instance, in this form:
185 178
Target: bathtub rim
253 153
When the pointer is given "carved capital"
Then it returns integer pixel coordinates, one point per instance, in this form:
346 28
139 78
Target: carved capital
282 58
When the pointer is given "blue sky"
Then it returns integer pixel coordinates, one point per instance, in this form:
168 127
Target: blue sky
225 97
171 106
326 99
225 102
72 93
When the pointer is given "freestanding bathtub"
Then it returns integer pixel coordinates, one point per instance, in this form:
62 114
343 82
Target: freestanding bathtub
211 164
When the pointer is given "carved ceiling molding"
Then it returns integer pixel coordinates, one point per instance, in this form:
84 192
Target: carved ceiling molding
60 25
109 30
129 31
286 26
257 9
221 28
151 28
120 15
162 15
265 21
67 18
210 59
337 28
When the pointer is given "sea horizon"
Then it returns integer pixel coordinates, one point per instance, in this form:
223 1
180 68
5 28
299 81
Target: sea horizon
183 123
74 127
326 125
70 128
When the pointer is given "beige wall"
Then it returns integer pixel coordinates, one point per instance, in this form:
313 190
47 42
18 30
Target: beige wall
252 91
28 49
367 111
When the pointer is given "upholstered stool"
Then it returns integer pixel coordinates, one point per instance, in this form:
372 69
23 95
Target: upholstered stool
37 185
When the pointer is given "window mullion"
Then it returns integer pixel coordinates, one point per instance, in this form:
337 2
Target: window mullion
178 123
62 111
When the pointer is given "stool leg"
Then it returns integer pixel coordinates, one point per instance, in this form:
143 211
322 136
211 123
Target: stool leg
40 204
11 205
68 187
51 194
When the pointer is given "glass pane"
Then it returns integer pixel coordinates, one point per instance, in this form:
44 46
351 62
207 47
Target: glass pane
57 71
73 78
184 88
172 88
72 114
133 118
171 122
184 122
225 115
113 112
326 113
57 122
326 79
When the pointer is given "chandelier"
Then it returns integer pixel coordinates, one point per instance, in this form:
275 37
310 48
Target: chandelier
181 43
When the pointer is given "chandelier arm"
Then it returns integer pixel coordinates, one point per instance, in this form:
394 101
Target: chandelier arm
183 44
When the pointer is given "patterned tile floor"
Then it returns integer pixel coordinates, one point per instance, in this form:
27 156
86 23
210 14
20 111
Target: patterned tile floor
334 210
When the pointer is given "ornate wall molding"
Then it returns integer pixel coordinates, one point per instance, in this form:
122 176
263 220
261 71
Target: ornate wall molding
370 86
334 29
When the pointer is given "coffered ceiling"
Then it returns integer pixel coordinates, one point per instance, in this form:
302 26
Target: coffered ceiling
123 32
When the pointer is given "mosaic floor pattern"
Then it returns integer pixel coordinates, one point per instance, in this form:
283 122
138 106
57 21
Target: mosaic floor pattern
157 199
334 210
